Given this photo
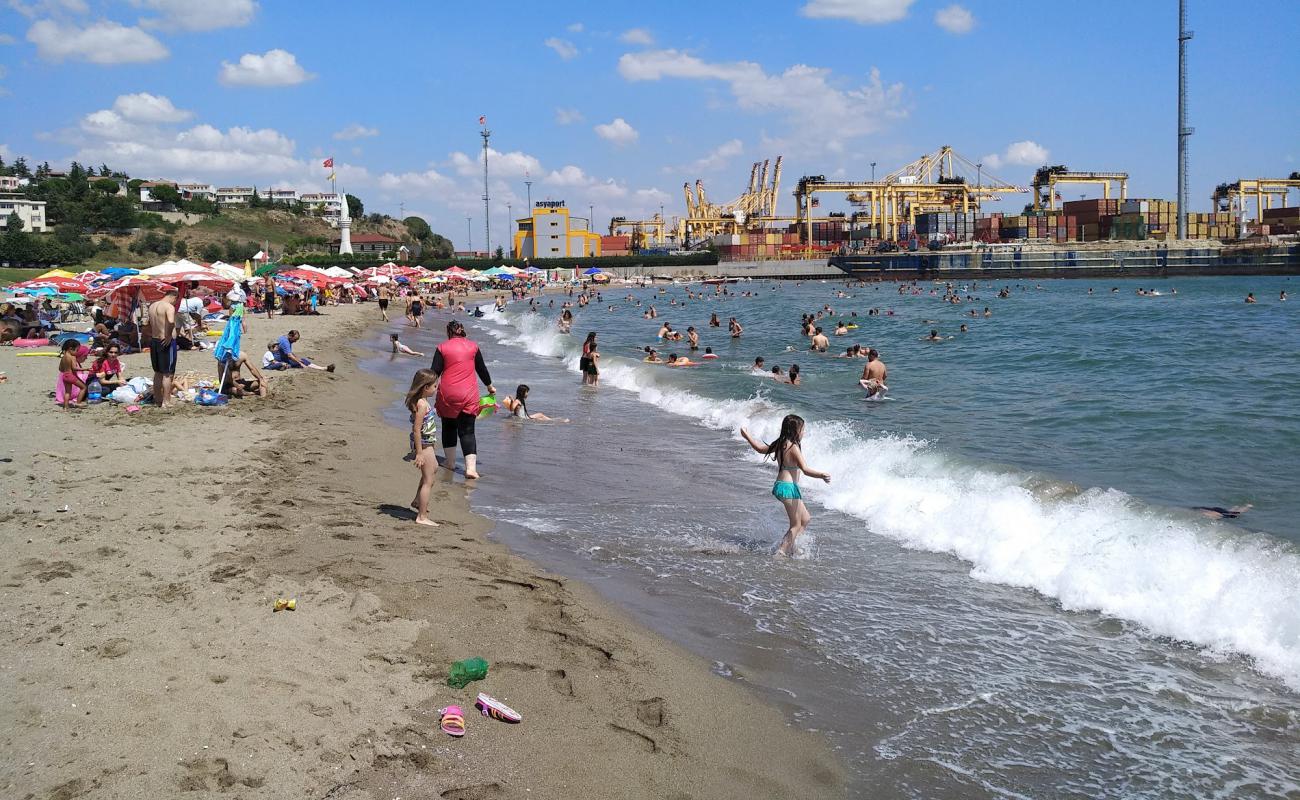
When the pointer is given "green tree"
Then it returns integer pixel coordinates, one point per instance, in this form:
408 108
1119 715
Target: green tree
20 168
418 228
14 223
181 248
166 194
500 254
356 209
211 252
106 185
439 246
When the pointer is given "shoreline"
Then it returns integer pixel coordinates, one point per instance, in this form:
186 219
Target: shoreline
148 606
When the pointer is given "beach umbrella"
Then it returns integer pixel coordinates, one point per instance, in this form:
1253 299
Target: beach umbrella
206 279
592 271
73 296
134 286
532 270
600 277
454 271
505 277
119 272
36 291
55 273
228 271
57 283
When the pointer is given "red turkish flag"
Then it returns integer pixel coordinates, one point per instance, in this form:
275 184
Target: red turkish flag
327 163
482 120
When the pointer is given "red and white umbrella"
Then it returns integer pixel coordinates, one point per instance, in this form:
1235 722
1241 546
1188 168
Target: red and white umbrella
60 284
205 278
133 286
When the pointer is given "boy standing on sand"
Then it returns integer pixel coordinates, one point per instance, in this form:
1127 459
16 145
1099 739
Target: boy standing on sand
162 345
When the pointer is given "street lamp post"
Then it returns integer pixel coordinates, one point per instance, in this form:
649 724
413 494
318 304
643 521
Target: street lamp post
873 172
510 228
469 235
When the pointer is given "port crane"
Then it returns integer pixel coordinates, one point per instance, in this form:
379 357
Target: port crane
754 208
639 228
1046 179
1230 196
937 181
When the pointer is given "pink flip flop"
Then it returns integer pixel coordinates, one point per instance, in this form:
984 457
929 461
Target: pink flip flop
452 721
494 708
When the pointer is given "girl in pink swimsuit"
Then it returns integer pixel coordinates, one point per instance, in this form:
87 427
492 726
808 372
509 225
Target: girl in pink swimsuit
460 367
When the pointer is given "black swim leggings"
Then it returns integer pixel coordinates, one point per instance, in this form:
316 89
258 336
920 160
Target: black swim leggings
461 427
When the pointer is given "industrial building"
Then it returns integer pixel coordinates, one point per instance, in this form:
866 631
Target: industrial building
550 232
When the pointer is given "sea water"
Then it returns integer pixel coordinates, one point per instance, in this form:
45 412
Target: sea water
1005 590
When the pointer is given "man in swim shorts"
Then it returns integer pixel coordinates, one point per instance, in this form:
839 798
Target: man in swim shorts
162 345
874 374
385 294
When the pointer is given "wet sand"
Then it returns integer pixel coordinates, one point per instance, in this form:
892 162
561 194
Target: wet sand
142 658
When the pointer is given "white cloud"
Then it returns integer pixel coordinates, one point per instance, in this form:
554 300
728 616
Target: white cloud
820 114
512 164
43 7
639 36
145 107
355 131
102 42
719 157
426 181
7 39
275 68
954 19
5 152
1021 154
864 12
575 27
564 49
618 132
568 116
197 15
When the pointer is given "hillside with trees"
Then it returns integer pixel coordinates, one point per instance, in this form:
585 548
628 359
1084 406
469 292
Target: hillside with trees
95 219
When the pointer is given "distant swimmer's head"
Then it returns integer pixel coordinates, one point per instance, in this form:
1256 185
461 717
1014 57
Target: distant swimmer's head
776 370
708 351
758 362
934 333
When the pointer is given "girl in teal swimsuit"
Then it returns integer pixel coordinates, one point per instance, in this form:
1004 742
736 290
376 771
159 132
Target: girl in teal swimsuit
424 429
789 463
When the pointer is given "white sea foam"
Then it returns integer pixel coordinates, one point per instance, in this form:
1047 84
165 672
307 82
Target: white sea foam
1096 550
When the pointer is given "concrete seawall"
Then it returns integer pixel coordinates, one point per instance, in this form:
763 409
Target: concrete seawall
814 268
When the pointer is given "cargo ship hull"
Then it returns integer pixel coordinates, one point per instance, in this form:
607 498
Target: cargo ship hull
1064 262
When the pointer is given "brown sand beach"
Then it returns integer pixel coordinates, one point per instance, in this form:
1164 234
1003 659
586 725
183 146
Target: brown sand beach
142 658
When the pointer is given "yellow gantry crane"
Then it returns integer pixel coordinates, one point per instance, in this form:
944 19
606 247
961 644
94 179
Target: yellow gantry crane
639 228
753 209
1233 196
938 181
1046 178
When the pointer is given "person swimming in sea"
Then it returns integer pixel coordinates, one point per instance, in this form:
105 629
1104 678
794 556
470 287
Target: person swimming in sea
934 336
785 450
1218 512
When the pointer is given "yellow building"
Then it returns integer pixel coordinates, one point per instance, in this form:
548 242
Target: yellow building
551 233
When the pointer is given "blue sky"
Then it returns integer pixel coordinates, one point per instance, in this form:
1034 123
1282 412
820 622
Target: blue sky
617 107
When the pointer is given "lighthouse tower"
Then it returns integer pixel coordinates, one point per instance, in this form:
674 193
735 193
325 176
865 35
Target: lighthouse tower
345 226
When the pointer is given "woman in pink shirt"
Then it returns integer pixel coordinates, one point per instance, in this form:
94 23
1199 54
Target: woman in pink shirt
459 364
